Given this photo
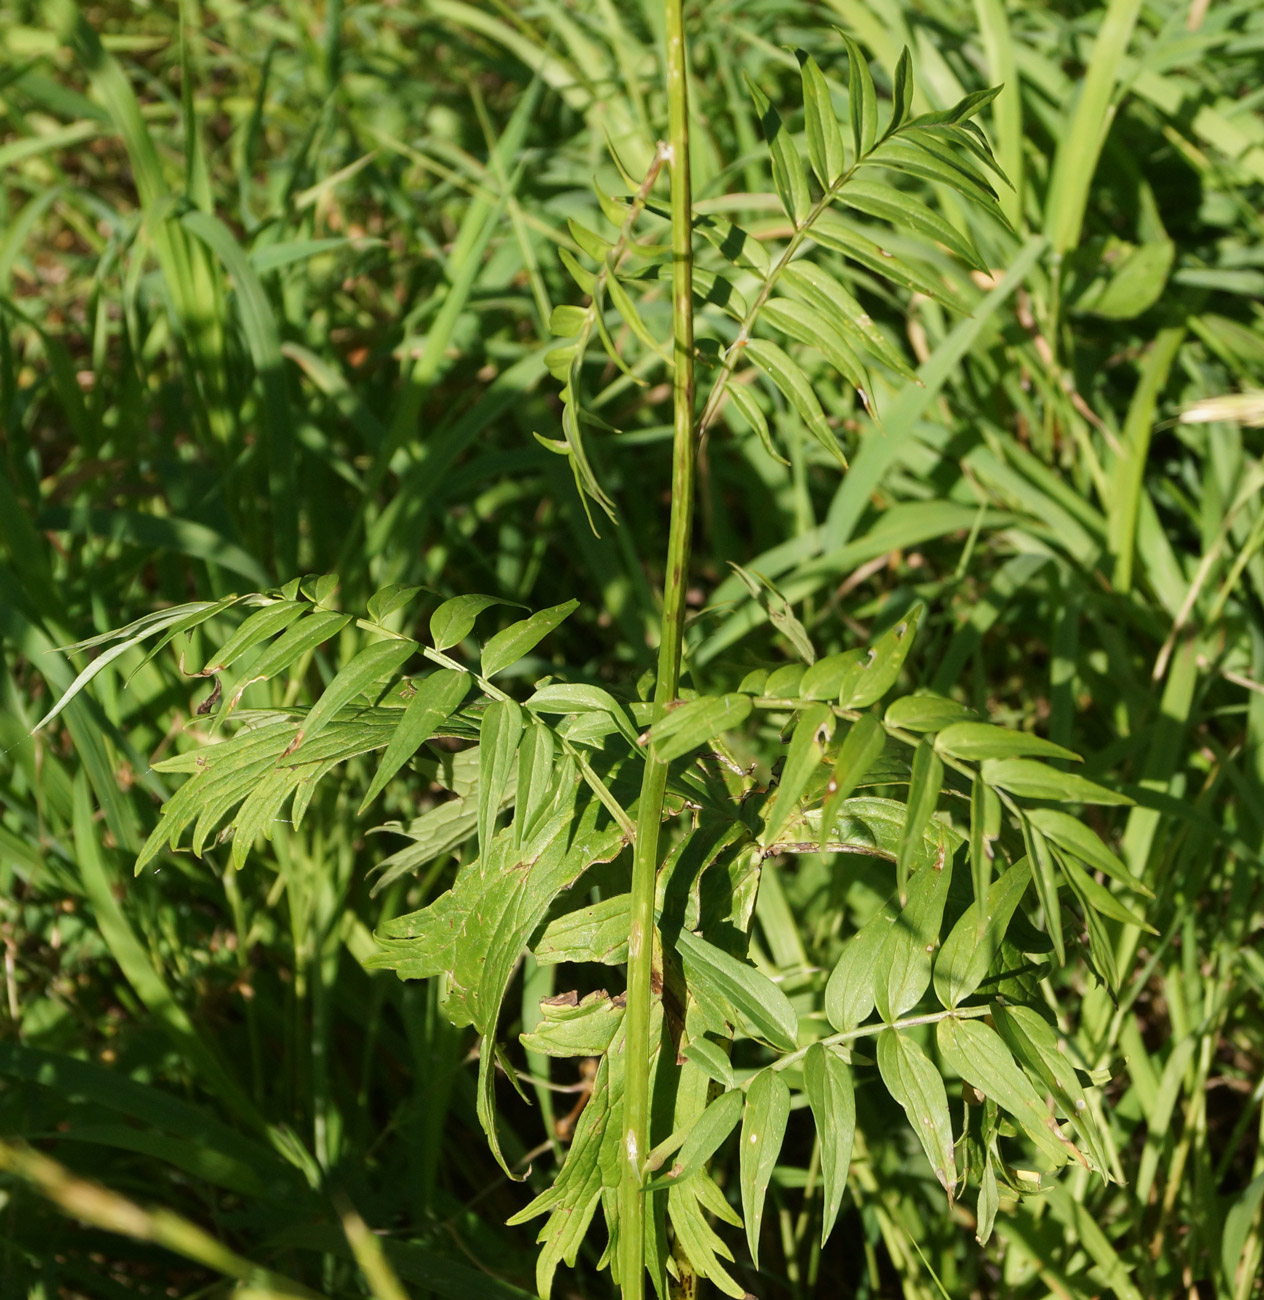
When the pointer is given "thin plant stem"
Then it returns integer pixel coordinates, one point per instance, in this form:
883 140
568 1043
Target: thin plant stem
666 689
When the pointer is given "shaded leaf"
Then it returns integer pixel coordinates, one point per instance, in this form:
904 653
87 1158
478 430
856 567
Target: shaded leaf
827 1081
915 1083
763 1131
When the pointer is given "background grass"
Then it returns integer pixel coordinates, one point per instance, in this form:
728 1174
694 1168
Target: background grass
274 291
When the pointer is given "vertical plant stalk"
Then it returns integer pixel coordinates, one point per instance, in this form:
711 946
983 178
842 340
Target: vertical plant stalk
636 1097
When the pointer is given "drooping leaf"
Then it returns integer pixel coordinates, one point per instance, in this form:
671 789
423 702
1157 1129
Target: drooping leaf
849 993
796 388
827 1080
902 209
803 760
705 1136
915 1083
536 773
763 1131
1034 1043
1072 836
860 749
980 1056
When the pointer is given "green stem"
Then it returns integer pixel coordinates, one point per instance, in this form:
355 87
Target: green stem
654 784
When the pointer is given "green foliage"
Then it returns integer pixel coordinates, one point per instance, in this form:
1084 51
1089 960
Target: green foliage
276 288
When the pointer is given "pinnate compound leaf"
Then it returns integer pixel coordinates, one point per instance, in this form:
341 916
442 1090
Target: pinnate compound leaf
875 674
925 783
453 621
373 665
1072 836
825 140
438 696
861 748
498 738
788 177
979 1055
260 626
803 759
975 940
519 639
863 99
759 1001
849 993
927 712
1033 780
902 94
763 1131
748 406
1034 1043
832 1098
695 723
703 1141
974 741
796 388
904 964
915 1083
902 209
